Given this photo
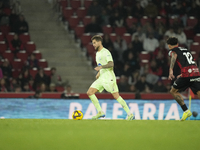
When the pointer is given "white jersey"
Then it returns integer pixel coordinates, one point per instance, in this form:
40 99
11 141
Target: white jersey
102 58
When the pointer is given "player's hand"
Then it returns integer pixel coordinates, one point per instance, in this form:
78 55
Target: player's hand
179 76
97 68
97 76
171 77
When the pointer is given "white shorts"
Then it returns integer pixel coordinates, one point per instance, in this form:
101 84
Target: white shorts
109 86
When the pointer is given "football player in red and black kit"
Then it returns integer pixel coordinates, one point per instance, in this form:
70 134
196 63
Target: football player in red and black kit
189 77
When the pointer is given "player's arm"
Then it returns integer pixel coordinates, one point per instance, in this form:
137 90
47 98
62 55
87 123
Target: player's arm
98 74
172 63
110 64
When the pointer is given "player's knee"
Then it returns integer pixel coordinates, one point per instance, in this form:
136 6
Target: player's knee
89 92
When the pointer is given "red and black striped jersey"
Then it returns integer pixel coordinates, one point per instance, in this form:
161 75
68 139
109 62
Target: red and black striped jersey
185 61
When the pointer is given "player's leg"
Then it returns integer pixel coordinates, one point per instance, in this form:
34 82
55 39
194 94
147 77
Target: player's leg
95 87
124 105
177 96
198 94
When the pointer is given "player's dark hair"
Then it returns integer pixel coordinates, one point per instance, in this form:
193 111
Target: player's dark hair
97 38
172 41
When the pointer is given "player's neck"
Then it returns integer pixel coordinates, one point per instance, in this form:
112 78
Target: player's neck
100 48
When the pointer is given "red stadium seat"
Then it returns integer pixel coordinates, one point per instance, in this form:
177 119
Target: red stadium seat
10 36
60 88
1 36
127 37
173 19
73 21
130 20
86 20
63 4
8 55
192 21
87 3
90 49
25 37
144 55
5 29
67 12
107 29
15 73
3 47
189 33
43 63
81 12
195 46
37 54
75 4
144 20
120 30
159 19
85 39
30 47
22 55
197 38
7 11
144 62
47 71
79 30
113 36
33 72
17 64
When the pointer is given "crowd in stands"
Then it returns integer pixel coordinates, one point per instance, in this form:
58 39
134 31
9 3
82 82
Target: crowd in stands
21 68
135 32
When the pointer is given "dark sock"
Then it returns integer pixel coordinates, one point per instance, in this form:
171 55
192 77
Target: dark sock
184 107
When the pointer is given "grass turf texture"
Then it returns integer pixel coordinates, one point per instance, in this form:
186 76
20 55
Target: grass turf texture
56 134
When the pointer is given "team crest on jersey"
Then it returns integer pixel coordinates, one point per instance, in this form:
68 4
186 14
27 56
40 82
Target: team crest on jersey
99 64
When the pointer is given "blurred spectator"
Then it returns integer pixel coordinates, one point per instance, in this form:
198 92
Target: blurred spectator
41 77
142 85
21 26
132 29
151 10
25 77
132 88
151 78
163 10
93 27
52 87
160 30
133 79
26 88
1 73
114 54
13 19
123 84
159 87
107 41
150 43
116 20
94 9
4 19
137 10
127 70
181 36
3 86
197 27
170 32
37 95
120 46
6 68
137 45
43 88
69 94
13 84
32 62
56 79
31 84
126 52
16 44
132 61
121 9
144 3
104 18
18 89
141 35
155 68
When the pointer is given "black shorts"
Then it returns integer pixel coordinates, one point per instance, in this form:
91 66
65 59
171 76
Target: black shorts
188 82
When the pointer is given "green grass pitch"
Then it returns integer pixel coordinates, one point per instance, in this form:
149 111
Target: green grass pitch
61 134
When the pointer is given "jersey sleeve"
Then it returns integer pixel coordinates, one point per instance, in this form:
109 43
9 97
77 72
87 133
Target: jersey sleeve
108 56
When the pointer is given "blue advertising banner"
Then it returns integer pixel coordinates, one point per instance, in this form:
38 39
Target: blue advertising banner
63 109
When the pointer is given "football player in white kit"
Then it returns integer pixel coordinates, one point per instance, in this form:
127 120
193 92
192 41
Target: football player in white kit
105 79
